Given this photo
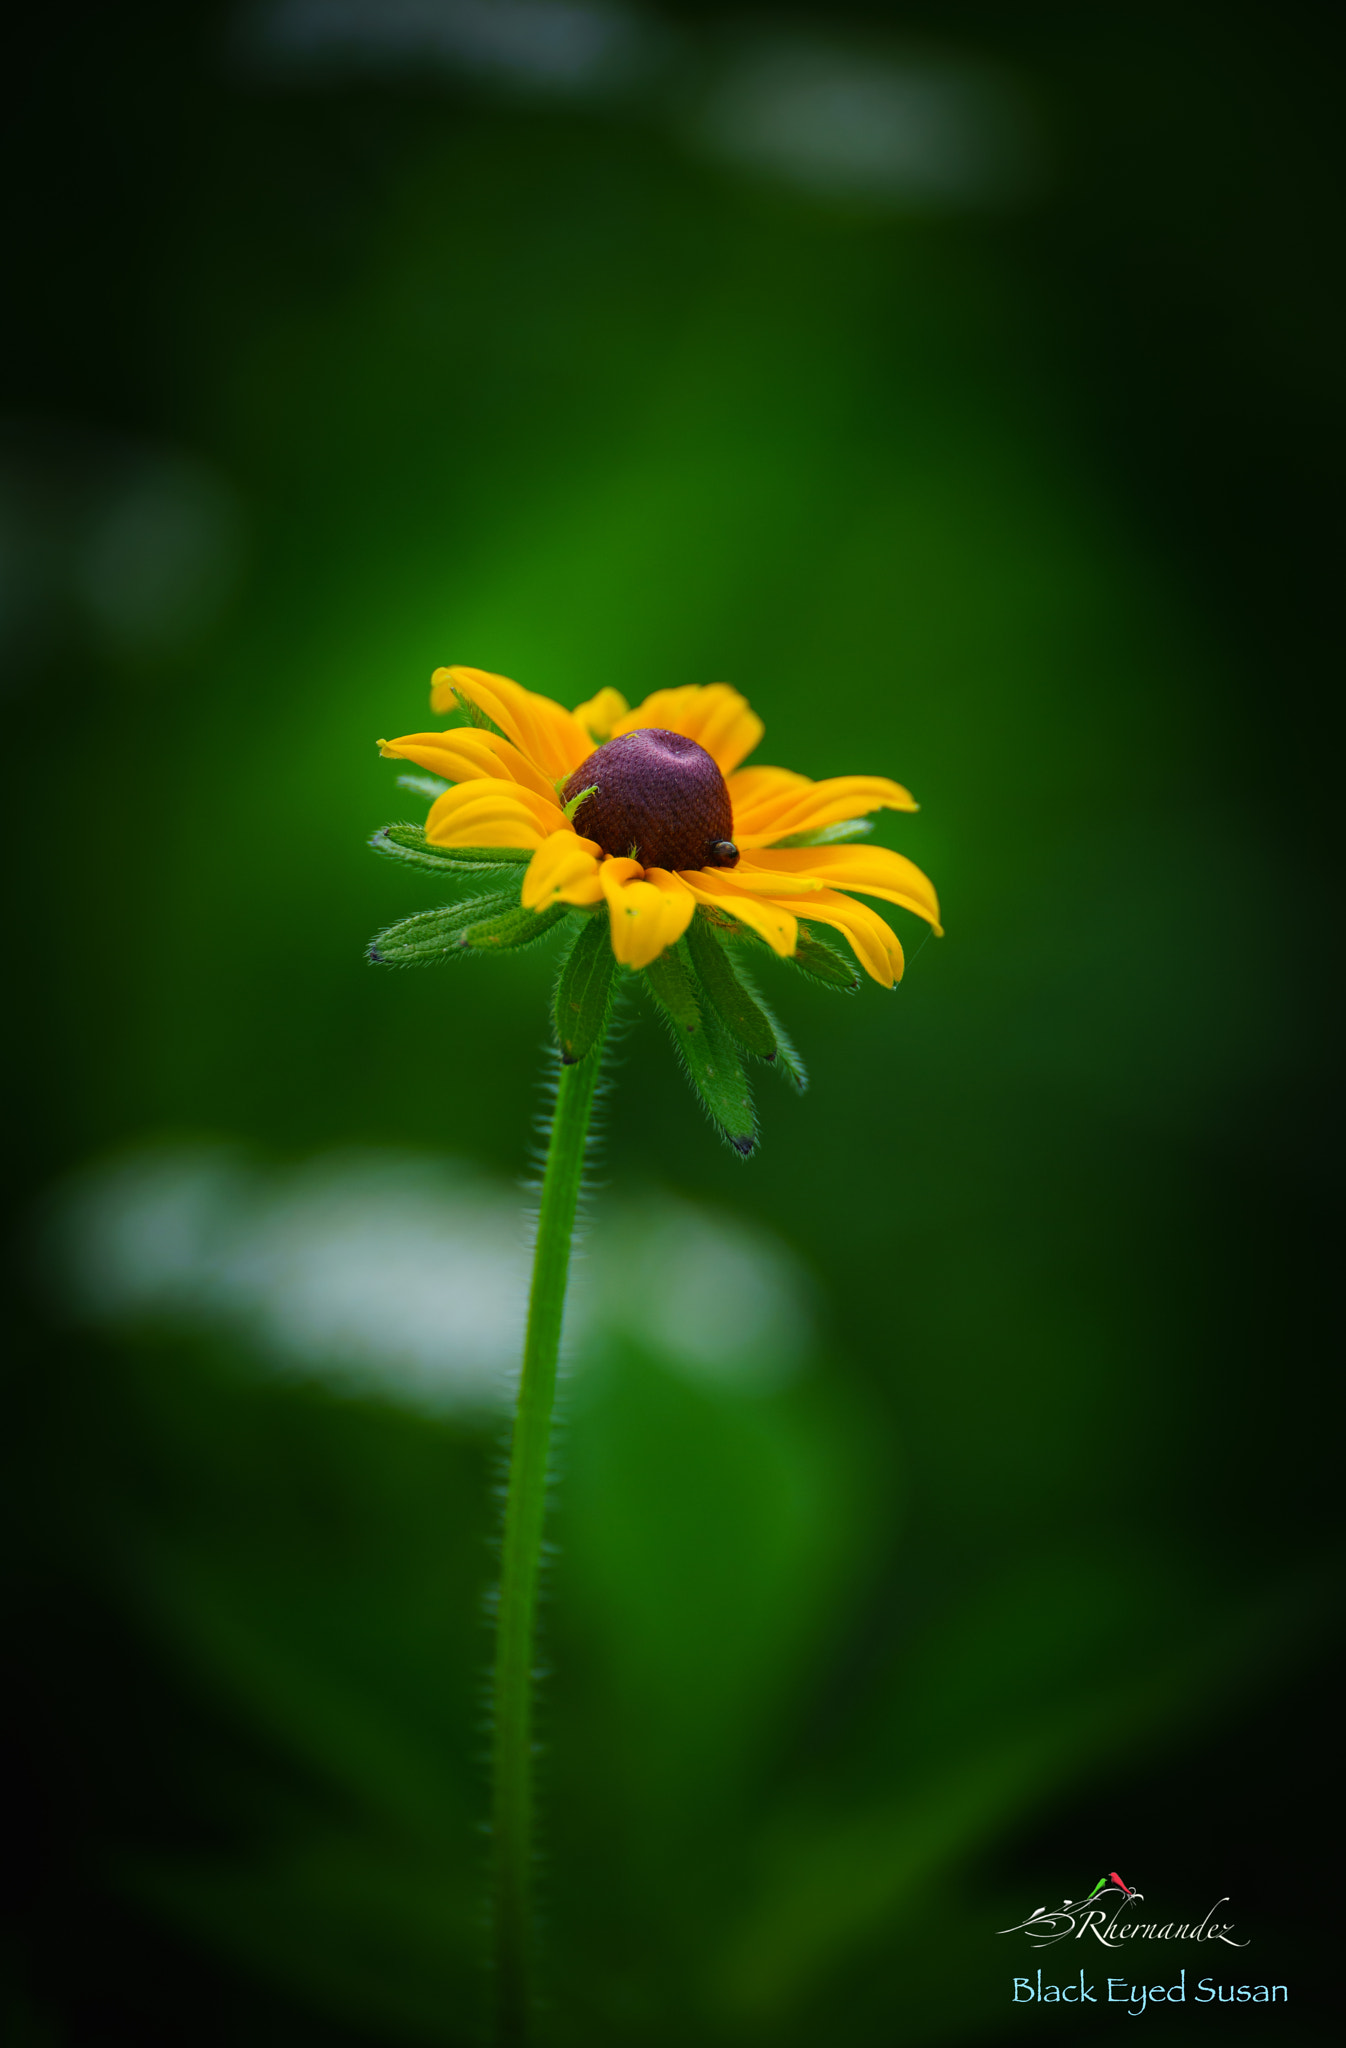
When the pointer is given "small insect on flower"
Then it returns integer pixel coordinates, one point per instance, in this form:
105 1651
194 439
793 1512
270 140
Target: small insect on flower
650 817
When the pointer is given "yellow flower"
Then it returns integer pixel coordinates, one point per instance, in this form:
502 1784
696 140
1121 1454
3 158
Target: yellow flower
652 812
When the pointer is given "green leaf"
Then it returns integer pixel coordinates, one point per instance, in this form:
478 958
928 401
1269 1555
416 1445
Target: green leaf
584 990
676 989
712 1065
481 924
408 844
829 835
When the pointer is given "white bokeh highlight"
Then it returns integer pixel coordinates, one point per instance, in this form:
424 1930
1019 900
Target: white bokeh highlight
406 1276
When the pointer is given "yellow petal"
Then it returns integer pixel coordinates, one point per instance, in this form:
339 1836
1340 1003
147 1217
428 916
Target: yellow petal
679 902
465 755
713 715
874 944
491 813
771 921
599 714
752 786
563 870
647 913
756 881
872 870
546 733
772 804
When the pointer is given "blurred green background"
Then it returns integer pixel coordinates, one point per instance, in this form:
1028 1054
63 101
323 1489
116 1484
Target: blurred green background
946 1503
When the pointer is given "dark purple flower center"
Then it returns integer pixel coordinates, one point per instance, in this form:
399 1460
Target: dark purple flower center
659 798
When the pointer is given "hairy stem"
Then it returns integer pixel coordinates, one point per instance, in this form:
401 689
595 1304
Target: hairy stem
525 1507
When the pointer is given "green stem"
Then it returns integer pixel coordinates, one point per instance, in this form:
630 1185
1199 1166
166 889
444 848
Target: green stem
525 1507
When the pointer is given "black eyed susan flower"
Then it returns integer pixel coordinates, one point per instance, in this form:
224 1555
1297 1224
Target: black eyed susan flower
650 816
644 832
652 813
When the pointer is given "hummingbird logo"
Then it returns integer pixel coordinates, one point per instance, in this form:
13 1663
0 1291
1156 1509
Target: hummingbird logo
1094 1914
1104 1916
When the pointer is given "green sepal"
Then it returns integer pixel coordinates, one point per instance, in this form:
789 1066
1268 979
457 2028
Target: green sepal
828 835
482 924
742 1008
428 786
514 928
787 1061
745 1017
821 962
434 935
676 989
408 844
812 955
711 1063
474 715
584 991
